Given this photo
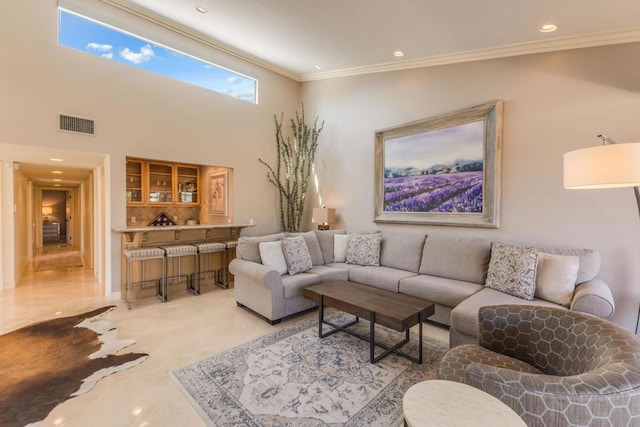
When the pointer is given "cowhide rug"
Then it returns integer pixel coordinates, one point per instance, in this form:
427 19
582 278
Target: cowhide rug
45 363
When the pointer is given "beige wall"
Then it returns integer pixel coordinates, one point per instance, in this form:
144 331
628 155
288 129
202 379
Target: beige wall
554 103
21 222
137 113
86 217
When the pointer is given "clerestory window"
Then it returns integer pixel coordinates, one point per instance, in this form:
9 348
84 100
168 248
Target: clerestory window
96 38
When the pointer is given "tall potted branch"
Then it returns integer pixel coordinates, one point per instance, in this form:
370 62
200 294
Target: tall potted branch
293 168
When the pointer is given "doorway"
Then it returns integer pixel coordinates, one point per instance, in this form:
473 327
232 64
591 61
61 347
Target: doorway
56 218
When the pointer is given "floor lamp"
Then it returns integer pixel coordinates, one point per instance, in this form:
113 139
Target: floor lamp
610 165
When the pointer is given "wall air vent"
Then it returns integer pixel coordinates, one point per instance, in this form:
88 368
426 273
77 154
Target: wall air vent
77 125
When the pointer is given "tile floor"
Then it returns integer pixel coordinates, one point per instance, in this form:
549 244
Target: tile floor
179 332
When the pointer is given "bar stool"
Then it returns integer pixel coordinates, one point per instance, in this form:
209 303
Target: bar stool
141 255
205 249
176 253
229 244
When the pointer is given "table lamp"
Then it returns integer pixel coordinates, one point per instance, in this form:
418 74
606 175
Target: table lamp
323 217
46 211
610 165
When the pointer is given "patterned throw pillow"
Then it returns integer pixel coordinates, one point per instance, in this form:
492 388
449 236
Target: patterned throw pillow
296 254
364 249
512 270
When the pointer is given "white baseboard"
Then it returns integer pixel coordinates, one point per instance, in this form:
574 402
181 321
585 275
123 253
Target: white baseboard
115 296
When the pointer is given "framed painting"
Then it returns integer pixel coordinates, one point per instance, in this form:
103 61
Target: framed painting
218 194
443 170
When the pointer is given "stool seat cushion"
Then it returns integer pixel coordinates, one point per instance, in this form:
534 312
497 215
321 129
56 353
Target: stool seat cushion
209 247
179 250
141 253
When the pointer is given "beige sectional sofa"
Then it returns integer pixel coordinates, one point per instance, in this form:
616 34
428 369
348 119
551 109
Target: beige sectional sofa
451 272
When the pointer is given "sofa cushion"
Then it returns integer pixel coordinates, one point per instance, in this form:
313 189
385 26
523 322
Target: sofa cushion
325 239
589 261
512 269
386 278
401 250
296 254
364 249
464 317
343 265
556 278
313 246
248 246
439 290
328 273
466 260
272 256
340 243
293 285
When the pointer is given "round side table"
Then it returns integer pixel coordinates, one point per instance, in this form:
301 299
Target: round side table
451 404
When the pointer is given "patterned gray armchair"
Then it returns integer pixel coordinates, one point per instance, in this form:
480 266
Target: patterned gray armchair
553 367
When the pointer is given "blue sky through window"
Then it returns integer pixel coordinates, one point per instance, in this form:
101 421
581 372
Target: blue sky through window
89 36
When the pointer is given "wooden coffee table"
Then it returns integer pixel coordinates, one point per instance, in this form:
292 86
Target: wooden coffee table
392 310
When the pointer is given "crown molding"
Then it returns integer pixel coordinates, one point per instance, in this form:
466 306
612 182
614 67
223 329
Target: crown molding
200 38
628 35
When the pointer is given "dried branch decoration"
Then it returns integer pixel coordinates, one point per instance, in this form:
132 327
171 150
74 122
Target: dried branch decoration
293 168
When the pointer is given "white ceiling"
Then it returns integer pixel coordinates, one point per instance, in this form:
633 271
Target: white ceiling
357 36
35 163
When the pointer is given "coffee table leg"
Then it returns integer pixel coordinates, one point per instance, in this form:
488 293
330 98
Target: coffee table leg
372 336
419 338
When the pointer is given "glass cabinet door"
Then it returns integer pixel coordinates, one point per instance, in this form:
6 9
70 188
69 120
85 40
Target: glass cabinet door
188 184
134 181
160 183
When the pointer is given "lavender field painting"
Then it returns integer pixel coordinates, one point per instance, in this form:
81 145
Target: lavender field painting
452 192
435 171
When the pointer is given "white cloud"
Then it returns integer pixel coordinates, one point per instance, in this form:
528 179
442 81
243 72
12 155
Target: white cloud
145 54
233 79
100 47
107 55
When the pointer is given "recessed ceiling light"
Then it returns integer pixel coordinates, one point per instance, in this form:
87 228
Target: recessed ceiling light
317 67
57 180
56 172
56 185
201 9
398 53
56 160
548 28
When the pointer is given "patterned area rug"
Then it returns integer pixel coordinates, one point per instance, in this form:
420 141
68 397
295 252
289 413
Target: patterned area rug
58 258
293 378
43 364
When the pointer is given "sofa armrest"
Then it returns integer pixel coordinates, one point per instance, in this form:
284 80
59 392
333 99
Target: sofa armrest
594 297
257 273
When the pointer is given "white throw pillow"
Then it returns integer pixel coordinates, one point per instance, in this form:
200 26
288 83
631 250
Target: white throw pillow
512 270
272 256
556 279
340 247
296 254
364 249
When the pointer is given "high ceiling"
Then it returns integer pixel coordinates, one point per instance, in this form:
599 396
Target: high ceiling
345 37
352 36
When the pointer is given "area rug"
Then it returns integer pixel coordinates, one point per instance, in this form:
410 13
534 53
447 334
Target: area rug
43 364
59 258
293 378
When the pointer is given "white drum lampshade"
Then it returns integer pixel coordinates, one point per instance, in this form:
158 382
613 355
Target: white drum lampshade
605 166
